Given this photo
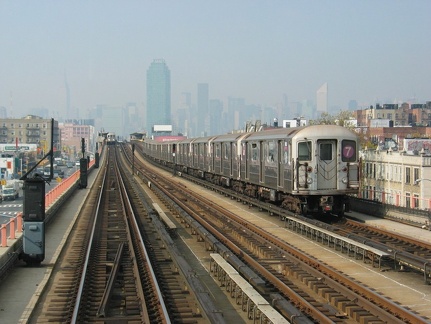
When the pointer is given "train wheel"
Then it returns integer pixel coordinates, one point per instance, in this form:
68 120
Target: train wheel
304 209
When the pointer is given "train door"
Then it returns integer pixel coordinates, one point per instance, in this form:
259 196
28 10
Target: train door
211 156
261 162
205 156
280 165
304 156
327 164
244 160
231 157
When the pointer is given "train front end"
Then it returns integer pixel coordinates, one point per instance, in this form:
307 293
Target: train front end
326 168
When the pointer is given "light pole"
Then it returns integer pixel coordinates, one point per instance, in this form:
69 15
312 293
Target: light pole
417 181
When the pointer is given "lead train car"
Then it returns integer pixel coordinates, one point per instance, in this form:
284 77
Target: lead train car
309 169
111 139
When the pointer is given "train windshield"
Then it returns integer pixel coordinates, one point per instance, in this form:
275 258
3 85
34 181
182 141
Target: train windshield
304 151
326 151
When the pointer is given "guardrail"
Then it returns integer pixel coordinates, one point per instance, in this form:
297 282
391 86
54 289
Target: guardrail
13 229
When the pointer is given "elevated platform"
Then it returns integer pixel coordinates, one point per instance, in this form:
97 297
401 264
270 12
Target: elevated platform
20 289
258 309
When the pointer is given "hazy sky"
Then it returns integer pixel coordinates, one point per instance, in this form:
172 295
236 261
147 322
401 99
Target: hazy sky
371 51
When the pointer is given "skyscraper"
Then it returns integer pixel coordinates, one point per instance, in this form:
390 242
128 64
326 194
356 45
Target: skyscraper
203 99
322 99
158 95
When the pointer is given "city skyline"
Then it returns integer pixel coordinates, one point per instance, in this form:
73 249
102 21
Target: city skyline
261 51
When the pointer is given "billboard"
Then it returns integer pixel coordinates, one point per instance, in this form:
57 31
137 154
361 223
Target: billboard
162 128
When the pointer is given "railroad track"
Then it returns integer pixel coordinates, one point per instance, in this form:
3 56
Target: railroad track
403 253
318 291
110 271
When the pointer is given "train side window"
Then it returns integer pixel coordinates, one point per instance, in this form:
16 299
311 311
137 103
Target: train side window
254 152
226 151
243 151
286 153
217 150
304 151
270 146
348 152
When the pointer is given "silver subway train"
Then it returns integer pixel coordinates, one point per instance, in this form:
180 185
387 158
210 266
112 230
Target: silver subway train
309 169
111 139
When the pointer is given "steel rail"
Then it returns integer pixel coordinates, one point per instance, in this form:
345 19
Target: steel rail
84 272
153 276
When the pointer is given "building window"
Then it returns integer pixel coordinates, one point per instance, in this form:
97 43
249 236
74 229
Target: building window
415 201
408 199
416 174
407 175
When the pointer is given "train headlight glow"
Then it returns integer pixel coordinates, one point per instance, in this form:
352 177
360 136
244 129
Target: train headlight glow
309 180
344 180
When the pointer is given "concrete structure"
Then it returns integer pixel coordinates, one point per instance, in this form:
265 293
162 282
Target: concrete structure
71 136
399 115
30 130
397 178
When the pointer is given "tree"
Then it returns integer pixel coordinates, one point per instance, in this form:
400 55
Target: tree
346 119
343 118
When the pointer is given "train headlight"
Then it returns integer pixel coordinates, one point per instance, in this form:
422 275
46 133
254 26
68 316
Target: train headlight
344 180
309 180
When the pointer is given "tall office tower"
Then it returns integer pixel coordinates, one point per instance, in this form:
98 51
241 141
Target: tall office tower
215 117
203 98
184 114
322 99
234 106
3 112
132 118
158 95
353 105
111 119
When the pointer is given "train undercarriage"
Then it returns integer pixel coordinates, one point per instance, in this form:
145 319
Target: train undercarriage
311 205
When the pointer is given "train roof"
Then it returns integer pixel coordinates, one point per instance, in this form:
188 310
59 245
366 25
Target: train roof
229 137
311 131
